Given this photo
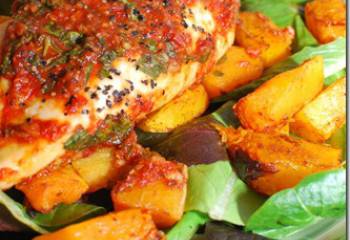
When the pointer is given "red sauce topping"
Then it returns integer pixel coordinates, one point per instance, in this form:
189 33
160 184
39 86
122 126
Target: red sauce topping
53 48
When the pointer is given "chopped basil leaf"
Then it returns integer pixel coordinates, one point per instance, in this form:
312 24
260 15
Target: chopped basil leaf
152 45
88 72
104 73
153 64
170 50
113 130
70 38
108 57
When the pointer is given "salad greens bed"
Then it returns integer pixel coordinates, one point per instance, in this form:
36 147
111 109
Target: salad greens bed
219 205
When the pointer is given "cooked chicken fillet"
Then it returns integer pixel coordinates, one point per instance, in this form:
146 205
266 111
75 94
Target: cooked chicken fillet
67 65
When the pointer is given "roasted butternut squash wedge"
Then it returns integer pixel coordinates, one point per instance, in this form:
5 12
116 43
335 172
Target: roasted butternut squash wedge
98 170
191 104
260 36
277 100
235 69
156 185
131 224
269 163
319 119
47 189
326 19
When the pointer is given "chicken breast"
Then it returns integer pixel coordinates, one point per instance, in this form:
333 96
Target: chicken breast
68 65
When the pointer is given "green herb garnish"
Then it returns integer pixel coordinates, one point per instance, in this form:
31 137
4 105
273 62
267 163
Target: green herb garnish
113 130
153 64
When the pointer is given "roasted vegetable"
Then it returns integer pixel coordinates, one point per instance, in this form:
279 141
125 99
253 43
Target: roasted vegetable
156 185
131 224
98 170
326 19
270 163
46 190
273 103
260 36
319 119
191 104
235 69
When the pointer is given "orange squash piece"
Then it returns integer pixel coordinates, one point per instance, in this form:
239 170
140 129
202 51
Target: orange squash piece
269 163
319 119
326 19
156 185
131 224
46 190
273 104
235 69
260 36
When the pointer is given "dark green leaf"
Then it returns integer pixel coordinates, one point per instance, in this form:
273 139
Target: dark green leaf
19 213
318 197
64 215
338 140
303 37
334 55
108 57
226 116
187 226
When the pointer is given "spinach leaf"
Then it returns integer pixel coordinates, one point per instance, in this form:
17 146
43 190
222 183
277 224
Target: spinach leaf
15 217
187 226
303 37
331 79
215 190
334 55
281 12
338 139
114 130
18 213
318 197
64 215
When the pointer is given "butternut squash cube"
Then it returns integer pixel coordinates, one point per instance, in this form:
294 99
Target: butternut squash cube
156 185
131 224
98 170
277 100
186 107
319 119
45 191
326 19
270 163
235 69
260 36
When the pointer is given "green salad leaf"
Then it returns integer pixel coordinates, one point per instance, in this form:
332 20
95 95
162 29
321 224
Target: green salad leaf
18 218
215 189
64 215
19 213
187 227
338 140
318 197
334 55
281 12
303 37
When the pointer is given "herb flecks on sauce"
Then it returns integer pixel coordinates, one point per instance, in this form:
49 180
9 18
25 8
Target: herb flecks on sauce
113 130
53 48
